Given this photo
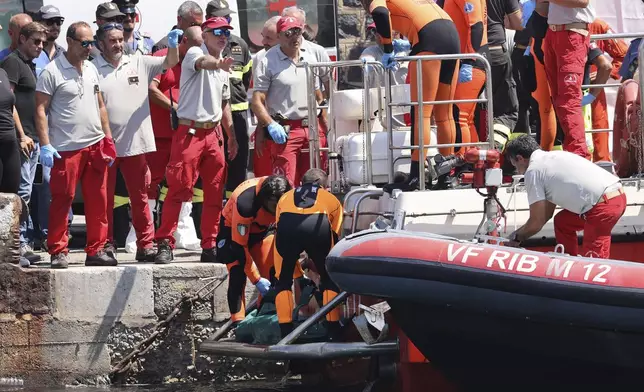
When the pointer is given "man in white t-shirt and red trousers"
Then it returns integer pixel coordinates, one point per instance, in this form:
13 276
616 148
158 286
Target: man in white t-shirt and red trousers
592 199
124 82
198 142
565 52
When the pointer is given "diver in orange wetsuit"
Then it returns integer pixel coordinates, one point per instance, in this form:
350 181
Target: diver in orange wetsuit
616 49
470 18
430 31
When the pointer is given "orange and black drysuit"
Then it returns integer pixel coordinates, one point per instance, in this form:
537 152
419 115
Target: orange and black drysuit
245 243
617 50
430 31
470 19
309 219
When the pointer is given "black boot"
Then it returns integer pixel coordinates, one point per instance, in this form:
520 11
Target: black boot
412 182
285 329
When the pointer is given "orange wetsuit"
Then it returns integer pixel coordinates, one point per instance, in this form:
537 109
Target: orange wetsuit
430 31
470 18
309 219
617 49
245 243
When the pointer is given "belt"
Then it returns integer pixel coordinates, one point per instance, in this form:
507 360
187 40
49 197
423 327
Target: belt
199 124
498 47
297 123
522 47
610 195
569 26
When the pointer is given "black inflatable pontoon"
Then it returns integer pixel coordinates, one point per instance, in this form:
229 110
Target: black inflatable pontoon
493 317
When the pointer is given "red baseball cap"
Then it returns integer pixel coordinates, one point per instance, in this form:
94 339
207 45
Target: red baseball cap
287 23
371 26
217 22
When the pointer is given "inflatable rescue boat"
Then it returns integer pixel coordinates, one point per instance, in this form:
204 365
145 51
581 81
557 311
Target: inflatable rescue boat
492 317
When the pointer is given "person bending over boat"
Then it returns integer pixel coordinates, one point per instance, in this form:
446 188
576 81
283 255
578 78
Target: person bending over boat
430 31
591 198
309 219
244 242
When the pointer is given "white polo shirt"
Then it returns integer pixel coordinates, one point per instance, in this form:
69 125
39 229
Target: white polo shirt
73 117
125 91
202 91
284 83
559 15
567 180
321 56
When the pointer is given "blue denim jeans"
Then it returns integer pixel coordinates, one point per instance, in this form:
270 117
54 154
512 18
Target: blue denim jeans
27 175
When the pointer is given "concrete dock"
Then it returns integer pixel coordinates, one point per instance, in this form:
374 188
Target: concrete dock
66 327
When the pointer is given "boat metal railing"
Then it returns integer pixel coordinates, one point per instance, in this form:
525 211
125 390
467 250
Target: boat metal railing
421 103
606 37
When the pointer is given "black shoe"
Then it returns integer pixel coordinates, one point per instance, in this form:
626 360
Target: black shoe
146 255
209 255
411 183
110 249
101 259
164 253
59 261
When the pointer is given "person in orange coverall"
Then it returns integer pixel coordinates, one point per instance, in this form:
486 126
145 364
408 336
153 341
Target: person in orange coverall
429 30
617 49
245 239
470 18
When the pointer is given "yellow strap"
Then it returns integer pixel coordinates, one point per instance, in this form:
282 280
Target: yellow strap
236 74
238 107
558 147
515 135
248 66
588 124
197 194
120 201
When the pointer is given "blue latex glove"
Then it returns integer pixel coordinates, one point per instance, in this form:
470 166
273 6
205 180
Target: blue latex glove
263 285
47 154
527 8
173 38
401 45
388 60
527 51
587 99
465 74
277 132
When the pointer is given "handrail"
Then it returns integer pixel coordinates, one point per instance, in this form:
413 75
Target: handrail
421 103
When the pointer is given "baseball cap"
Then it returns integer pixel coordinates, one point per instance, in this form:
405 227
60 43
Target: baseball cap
125 6
287 23
217 22
108 10
218 8
371 26
49 12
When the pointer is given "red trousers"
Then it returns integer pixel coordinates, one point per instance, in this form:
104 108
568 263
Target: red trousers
263 166
192 155
136 174
288 158
597 225
157 162
565 54
88 166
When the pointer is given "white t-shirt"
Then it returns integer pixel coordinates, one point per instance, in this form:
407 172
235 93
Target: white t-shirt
202 91
125 91
73 117
567 180
559 15
284 83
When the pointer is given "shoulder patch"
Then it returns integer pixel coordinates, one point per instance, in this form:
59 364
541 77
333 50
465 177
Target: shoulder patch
242 229
469 7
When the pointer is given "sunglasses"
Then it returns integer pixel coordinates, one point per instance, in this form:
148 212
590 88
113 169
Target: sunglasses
112 26
37 41
84 44
292 32
220 32
55 21
130 14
